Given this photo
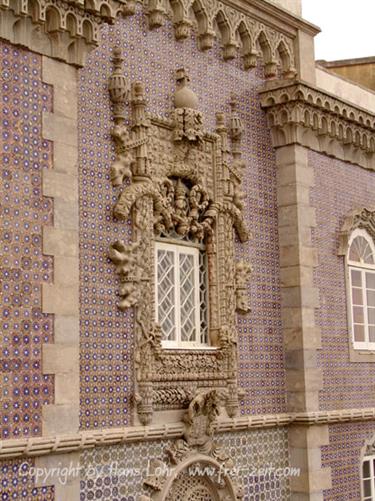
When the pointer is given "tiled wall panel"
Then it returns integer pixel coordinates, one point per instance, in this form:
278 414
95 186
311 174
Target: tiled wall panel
343 455
17 481
339 188
24 155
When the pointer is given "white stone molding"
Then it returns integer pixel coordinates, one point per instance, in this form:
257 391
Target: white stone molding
299 113
73 442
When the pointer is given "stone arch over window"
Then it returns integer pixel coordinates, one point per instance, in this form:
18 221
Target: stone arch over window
198 478
357 246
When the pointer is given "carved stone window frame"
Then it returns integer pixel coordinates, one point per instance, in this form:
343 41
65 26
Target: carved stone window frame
183 181
364 220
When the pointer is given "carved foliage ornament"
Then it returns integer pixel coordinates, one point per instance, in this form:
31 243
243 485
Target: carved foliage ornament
177 181
196 467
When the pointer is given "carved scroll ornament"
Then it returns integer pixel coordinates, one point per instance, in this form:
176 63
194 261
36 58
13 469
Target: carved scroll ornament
178 181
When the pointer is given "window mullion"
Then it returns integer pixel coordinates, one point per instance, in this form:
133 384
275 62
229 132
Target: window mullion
177 296
197 298
156 295
364 290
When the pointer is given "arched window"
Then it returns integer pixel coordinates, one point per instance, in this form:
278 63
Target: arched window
361 280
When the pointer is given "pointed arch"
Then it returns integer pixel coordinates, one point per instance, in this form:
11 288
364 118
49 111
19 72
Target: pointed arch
265 47
244 36
53 19
201 16
223 26
285 57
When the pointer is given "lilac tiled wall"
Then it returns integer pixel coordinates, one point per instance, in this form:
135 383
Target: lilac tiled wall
17 481
106 333
339 188
24 155
342 455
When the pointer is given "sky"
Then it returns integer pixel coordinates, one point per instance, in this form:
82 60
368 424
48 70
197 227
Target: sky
348 27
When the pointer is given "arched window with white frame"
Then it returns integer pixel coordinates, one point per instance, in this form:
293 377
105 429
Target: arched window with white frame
360 262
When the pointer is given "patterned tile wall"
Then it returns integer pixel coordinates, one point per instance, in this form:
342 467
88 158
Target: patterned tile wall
339 188
343 455
17 481
117 472
24 155
106 333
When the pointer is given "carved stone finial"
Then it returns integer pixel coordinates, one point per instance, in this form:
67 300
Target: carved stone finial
118 86
184 97
236 127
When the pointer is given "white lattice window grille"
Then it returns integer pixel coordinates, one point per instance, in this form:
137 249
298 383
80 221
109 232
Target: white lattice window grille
368 478
361 288
181 295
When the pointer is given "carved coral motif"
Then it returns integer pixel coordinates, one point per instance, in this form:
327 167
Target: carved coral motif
243 273
178 181
200 420
130 270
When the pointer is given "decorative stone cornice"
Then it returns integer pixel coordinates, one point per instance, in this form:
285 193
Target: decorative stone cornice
62 29
299 113
61 444
68 29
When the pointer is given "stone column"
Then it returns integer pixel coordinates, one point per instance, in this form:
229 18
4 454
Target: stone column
302 337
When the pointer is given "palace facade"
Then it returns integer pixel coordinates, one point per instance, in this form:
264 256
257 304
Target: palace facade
188 266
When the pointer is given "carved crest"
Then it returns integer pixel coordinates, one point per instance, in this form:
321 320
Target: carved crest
196 466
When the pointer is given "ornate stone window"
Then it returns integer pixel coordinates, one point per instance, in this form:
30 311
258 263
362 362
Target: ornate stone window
181 187
358 247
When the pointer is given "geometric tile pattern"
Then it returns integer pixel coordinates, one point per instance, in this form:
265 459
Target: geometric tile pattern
24 155
106 333
339 188
117 472
343 455
17 482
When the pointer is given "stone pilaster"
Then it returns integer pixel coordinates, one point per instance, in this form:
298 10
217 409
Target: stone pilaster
61 241
302 337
